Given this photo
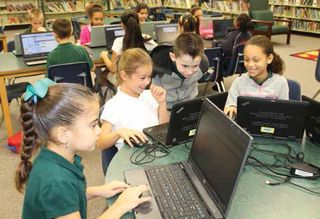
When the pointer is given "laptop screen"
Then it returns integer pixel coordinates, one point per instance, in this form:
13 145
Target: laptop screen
166 33
272 118
149 28
111 33
313 121
223 144
222 27
37 44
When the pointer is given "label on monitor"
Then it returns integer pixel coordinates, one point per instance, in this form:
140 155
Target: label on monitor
267 130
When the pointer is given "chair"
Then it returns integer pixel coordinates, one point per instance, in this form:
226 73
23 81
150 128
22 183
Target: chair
317 75
76 28
263 23
213 74
294 90
78 72
11 46
14 91
236 65
115 22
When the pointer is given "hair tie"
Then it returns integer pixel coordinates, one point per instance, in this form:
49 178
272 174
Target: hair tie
38 90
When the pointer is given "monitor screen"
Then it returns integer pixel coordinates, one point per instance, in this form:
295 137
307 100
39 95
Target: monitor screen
112 32
222 27
218 153
166 32
38 43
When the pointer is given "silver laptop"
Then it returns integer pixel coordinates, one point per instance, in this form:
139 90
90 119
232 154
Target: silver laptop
204 185
17 45
149 28
36 47
166 33
98 37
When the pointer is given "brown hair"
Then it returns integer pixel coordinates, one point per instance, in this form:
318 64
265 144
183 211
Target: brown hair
277 64
194 9
244 22
130 60
62 27
61 106
92 8
35 13
188 43
189 23
141 6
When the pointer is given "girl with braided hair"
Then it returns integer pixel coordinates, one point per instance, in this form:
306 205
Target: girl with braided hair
62 119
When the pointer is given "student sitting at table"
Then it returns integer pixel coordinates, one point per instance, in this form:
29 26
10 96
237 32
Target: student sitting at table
66 52
142 10
181 67
59 121
36 20
95 14
263 78
133 38
133 108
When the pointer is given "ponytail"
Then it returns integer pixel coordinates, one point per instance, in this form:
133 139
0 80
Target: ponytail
29 144
133 35
277 64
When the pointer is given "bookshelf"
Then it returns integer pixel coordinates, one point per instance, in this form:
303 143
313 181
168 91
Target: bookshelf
127 4
305 14
226 7
14 12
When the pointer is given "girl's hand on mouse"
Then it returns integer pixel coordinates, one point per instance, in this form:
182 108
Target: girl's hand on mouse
231 111
158 93
137 136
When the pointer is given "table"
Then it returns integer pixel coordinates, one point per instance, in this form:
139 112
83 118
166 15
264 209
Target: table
253 198
12 66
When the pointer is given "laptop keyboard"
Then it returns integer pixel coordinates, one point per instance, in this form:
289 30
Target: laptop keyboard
175 195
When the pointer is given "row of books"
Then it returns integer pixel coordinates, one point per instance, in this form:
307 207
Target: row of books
229 6
315 3
18 7
21 19
179 3
306 13
65 6
306 26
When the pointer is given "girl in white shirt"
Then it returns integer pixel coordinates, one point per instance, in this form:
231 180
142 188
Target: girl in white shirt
133 108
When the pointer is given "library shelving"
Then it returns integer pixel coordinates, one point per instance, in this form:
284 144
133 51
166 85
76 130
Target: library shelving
13 12
305 14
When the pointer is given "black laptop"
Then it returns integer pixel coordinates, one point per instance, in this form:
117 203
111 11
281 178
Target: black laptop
283 119
36 47
183 121
313 121
204 185
221 28
111 33
166 33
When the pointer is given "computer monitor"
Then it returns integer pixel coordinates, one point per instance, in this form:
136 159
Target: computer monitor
222 27
166 33
111 33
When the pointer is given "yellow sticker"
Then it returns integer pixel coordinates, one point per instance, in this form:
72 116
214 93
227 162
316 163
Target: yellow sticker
192 132
267 130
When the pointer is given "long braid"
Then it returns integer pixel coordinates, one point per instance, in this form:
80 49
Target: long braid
29 144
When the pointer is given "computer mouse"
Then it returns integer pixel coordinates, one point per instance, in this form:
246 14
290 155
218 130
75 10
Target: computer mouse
134 143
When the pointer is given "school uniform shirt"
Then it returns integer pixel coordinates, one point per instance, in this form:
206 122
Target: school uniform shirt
275 87
124 111
178 89
85 35
117 44
55 187
68 53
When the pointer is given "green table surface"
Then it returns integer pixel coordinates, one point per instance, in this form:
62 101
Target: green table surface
253 198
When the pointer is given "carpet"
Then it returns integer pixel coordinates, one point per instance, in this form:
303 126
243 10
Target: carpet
311 55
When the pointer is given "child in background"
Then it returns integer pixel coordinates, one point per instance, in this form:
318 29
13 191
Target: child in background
62 119
186 64
188 23
142 10
36 20
133 38
133 108
66 52
196 11
96 15
263 78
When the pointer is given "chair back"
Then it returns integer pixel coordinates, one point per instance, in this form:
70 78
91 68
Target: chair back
76 28
78 72
294 90
11 46
236 65
214 56
318 68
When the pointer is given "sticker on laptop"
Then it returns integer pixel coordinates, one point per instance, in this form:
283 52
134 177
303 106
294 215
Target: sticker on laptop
192 132
267 130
